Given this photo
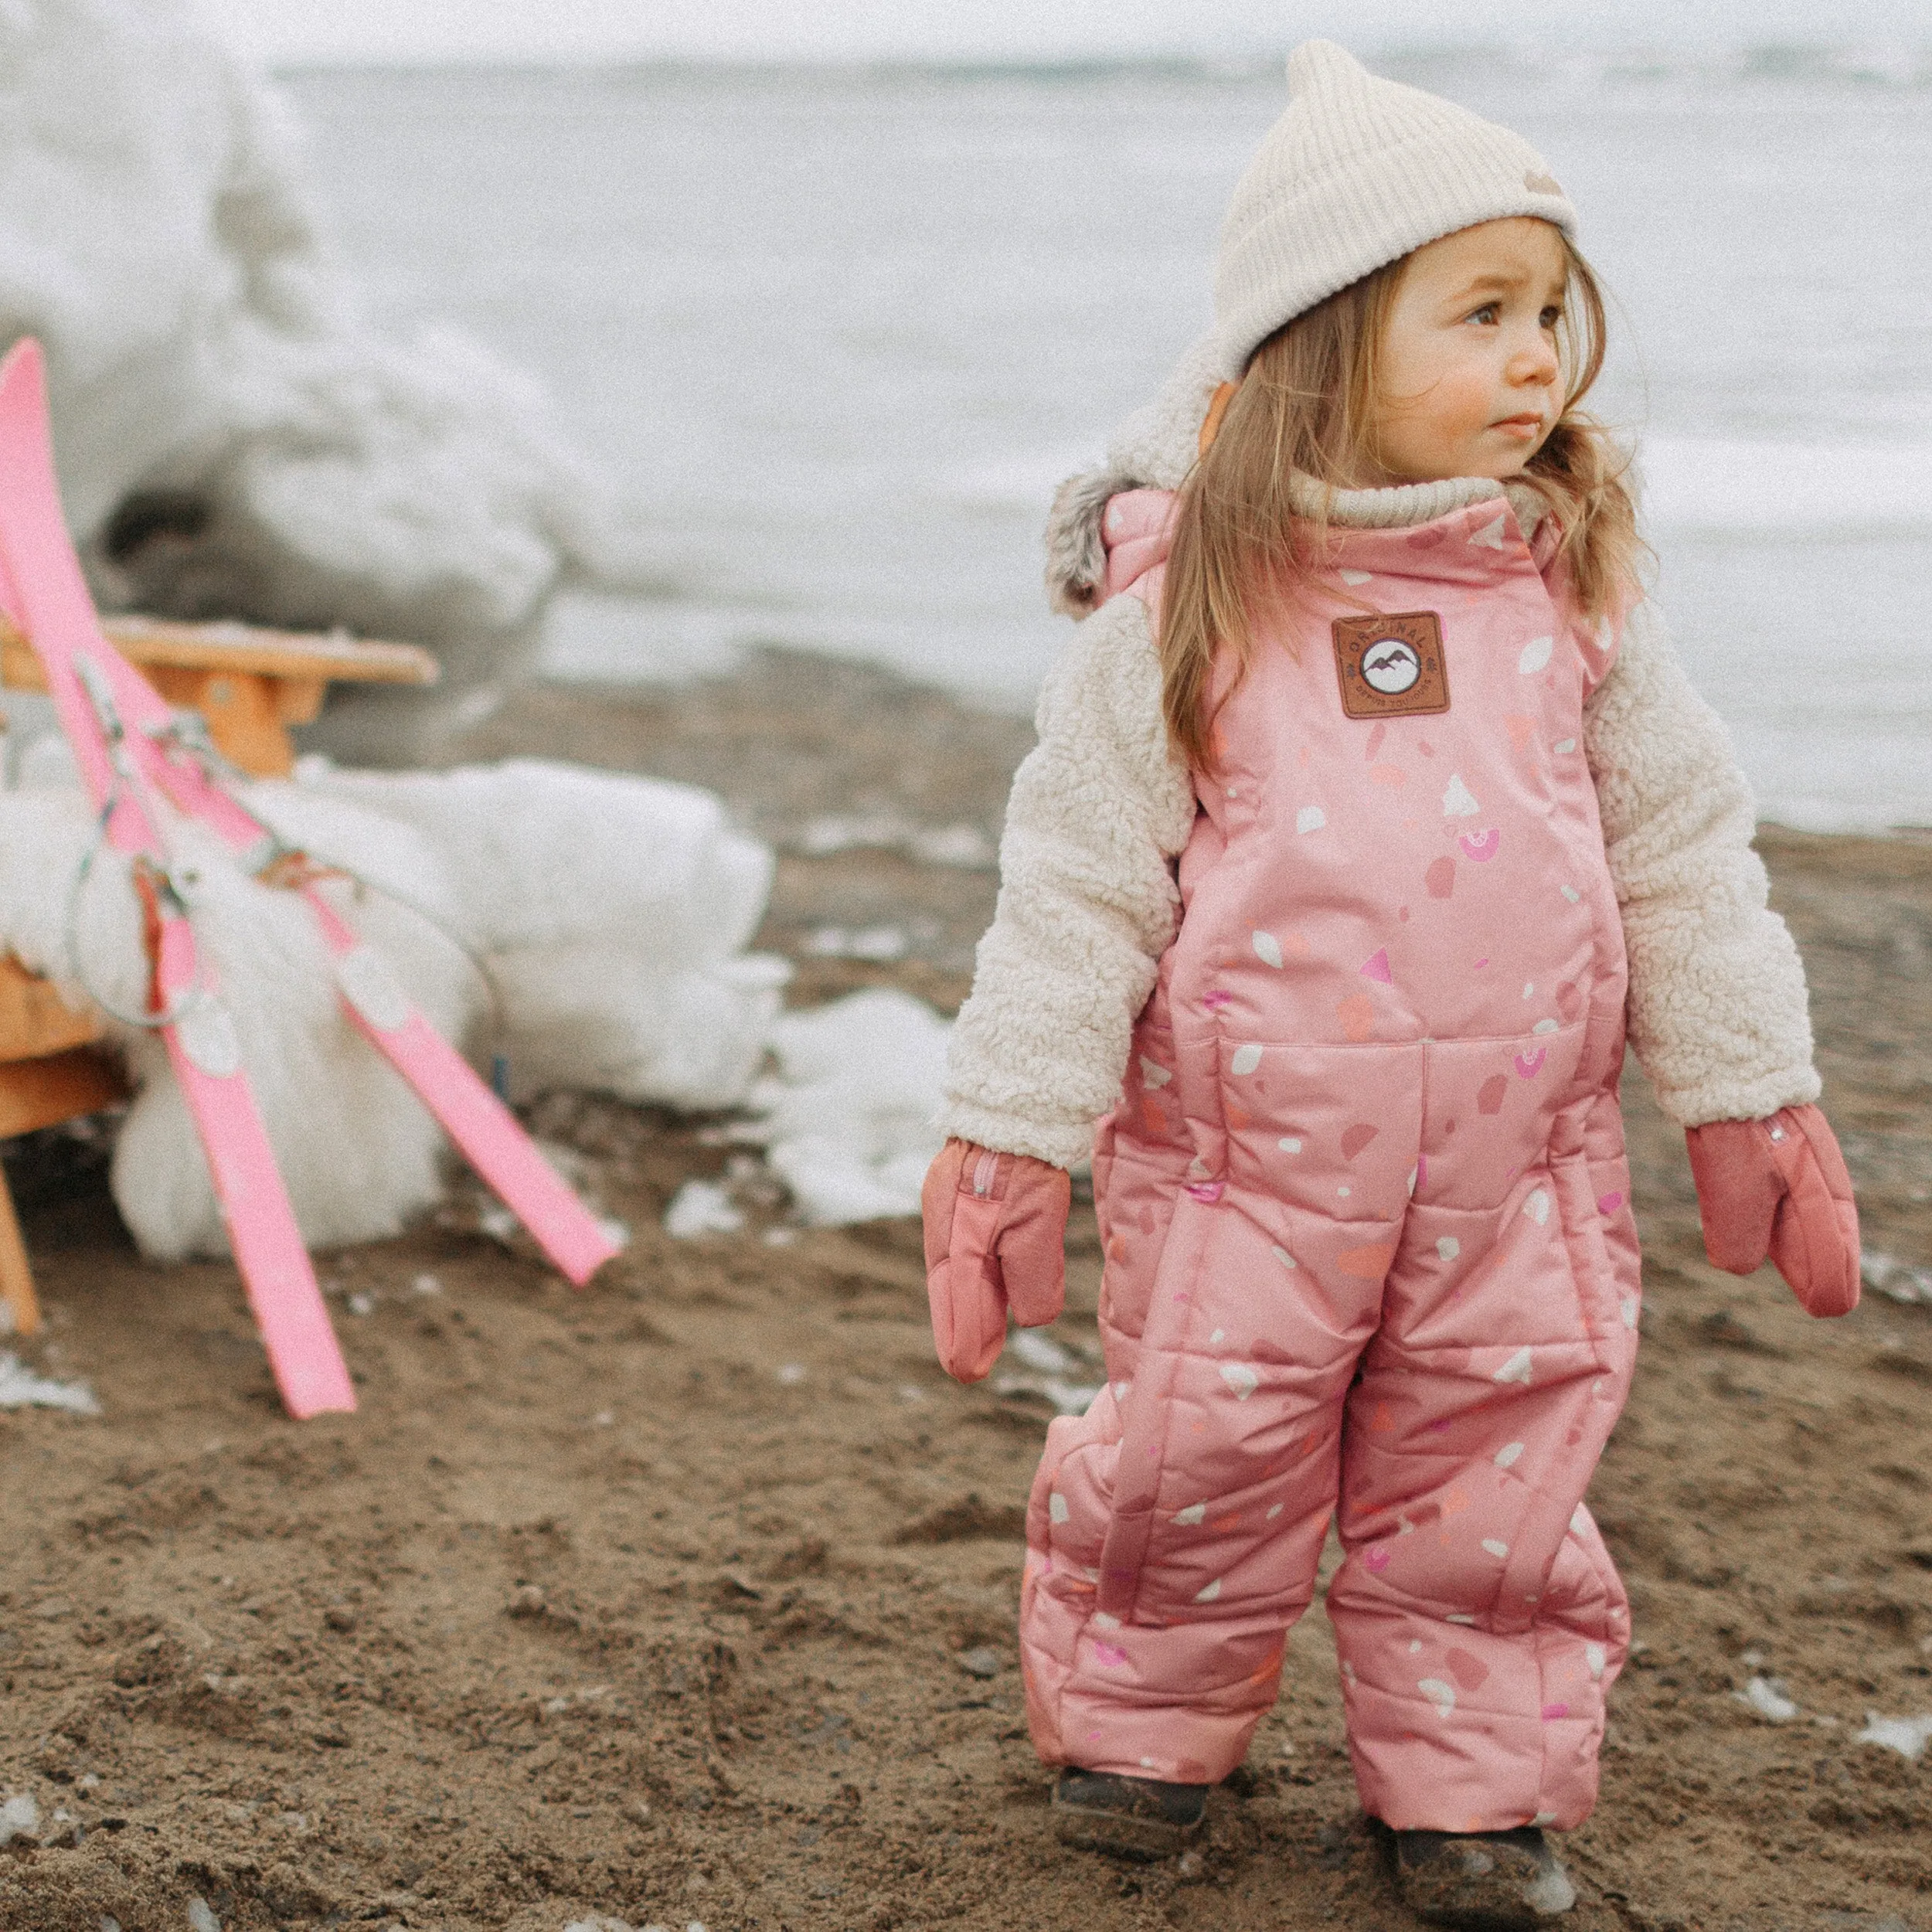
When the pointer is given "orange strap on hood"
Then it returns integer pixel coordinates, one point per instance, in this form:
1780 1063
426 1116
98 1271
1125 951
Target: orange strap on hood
1217 408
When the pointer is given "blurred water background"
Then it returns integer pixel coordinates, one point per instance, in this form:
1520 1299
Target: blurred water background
838 333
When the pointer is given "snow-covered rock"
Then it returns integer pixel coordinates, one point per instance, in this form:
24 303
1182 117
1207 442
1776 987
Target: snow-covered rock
235 437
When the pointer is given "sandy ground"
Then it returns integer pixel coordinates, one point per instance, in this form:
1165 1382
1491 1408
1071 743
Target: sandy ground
689 1599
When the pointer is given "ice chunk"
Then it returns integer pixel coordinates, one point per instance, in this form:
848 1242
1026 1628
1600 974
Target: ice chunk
236 429
1898 1280
1039 1350
880 944
847 1121
1769 1697
1068 1398
962 846
20 1388
701 1207
1907 1736
19 1818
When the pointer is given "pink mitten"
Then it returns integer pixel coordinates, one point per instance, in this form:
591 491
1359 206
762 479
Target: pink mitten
995 1236
1780 1187
1138 528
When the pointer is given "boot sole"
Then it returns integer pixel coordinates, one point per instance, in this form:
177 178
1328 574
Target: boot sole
1120 1834
1512 1896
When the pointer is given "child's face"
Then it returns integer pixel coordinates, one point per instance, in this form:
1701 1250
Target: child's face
1470 381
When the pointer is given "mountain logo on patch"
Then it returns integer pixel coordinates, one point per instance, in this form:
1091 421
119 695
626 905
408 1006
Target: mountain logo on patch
1392 666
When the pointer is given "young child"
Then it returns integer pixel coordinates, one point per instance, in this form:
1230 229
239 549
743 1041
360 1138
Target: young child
1359 829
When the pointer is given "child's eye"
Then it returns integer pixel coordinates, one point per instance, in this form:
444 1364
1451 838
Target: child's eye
1487 313
1552 316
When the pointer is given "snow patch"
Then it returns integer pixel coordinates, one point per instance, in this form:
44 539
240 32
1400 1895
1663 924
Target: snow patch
702 1207
20 1388
1039 1350
1907 1736
879 944
1067 1398
846 1120
1769 1697
1899 1280
964 846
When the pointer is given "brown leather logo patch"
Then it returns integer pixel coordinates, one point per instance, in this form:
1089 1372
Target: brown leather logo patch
1391 667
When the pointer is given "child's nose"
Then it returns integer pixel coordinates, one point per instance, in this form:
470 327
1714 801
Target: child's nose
1535 360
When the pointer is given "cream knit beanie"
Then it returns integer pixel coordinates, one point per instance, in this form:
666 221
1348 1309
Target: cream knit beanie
1358 172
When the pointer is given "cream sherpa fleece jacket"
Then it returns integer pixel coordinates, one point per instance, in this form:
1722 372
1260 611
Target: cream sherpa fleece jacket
1101 809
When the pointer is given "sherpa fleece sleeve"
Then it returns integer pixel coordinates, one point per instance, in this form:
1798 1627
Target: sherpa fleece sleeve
1087 903
1717 1009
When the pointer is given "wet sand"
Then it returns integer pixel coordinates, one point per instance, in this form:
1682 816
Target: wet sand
690 1598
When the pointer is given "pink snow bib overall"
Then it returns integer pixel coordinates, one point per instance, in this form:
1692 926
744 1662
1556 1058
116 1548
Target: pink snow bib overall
1369 1251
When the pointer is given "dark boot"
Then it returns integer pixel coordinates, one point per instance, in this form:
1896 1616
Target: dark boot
1482 1881
1135 1818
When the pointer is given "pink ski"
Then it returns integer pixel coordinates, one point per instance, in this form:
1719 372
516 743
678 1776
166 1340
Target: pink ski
473 1116
48 599
469 1111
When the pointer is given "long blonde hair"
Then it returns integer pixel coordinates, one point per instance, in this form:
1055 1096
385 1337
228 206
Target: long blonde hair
1248 538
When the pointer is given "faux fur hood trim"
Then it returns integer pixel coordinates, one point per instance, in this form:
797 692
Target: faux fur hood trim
1076 555
1154 449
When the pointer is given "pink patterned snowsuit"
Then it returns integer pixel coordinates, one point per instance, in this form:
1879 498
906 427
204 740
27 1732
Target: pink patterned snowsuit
1368 1244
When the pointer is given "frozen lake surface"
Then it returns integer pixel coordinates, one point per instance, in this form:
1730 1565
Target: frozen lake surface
837 334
